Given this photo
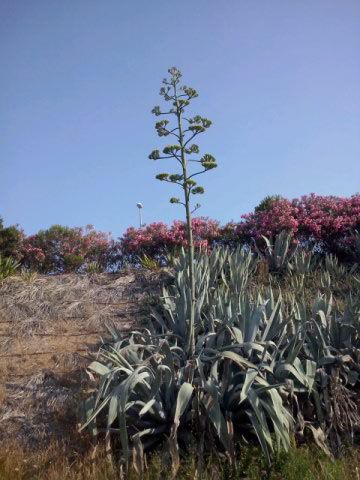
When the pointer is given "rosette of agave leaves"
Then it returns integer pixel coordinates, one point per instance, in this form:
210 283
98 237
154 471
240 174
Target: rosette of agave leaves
252 377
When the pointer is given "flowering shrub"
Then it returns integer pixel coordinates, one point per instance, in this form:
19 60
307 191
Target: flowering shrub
157 239
325 222
205 232
63 249
151 240
328 221
281 215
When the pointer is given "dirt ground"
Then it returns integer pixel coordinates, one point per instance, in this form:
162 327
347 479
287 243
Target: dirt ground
50 329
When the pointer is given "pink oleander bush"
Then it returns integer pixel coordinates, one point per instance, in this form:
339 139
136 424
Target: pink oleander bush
329 221
63 249
281 215
156 240
325 222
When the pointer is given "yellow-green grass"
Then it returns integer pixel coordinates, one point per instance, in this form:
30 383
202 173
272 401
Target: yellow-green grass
55 463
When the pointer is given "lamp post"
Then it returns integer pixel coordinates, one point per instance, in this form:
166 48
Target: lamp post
140 207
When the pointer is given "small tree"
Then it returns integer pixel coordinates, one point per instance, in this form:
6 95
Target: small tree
267 202
183 152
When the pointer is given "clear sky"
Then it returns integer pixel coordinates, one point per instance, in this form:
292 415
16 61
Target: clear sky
279 78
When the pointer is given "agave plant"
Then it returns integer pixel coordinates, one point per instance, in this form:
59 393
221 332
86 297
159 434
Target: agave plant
334 267
155 390
149 263
8 267
221 270
241 265
331 342
262 365
279 253
209 267
303 262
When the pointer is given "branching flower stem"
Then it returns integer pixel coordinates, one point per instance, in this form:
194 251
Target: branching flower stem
180 97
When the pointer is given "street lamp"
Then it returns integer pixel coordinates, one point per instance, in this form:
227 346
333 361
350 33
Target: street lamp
140 206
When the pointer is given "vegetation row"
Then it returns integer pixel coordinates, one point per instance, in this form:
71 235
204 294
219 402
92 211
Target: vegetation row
323 224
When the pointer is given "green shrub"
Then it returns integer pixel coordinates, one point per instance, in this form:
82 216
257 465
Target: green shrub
10 241
268 202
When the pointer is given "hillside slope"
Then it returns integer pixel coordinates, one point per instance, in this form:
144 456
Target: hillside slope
50 328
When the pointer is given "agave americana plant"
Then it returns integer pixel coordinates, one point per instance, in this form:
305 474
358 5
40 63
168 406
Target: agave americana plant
303 262
8 267
279 253
233 385
334 267
262 367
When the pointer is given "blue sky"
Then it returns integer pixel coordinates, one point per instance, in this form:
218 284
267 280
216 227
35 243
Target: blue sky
280 79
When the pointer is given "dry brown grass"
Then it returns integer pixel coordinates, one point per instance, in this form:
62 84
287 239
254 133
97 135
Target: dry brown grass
50 327
2 394
72 297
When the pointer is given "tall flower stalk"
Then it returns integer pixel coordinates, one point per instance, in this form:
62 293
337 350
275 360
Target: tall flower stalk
184 152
